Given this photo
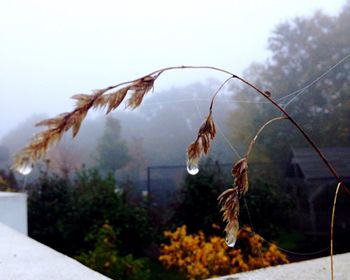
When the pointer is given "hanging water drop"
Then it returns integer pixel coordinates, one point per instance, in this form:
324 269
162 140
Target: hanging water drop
192 168
231 234
231 241
26 167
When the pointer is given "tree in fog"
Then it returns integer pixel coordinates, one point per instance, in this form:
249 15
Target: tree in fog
112 151
302 50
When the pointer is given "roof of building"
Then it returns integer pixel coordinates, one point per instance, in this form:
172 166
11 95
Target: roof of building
312 167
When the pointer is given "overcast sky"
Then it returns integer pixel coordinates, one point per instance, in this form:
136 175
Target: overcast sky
50 50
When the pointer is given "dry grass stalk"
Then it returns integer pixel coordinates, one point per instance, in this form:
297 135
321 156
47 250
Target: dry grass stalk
332 226
230 211
240 173
202 143
253 141
240 187
142 86
206 133
229 200
100 99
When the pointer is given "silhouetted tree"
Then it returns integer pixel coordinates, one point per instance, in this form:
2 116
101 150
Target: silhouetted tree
112 151
302 50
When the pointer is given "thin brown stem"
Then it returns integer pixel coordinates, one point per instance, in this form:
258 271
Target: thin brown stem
216 93
157 73
252 143
162 70
306 136
268 97
332 226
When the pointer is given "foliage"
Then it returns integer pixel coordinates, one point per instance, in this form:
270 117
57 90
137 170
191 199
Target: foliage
268 208
104 257
49 212
75 207
301 51
112 152
196 204
201 257
93 201
8 181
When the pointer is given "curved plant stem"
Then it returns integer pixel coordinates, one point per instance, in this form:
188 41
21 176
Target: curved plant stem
157 73
332 226
306 136
216 93
268 97
161 71
252 143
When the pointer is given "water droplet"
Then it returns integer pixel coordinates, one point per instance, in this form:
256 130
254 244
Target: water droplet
231 242
145 194
26 167
192 168
231 234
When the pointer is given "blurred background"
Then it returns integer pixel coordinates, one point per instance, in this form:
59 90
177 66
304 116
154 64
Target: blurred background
110 193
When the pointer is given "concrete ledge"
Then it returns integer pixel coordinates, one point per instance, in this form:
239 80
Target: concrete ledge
22 258
317 269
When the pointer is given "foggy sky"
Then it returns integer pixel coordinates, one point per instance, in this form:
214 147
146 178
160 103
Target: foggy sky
52 50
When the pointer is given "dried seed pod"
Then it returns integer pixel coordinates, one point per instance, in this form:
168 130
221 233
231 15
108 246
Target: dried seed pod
140 88
240 172
208 127
116 98
201 145
230 207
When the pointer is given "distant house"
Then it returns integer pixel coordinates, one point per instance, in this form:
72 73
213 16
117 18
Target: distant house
312 186
305 164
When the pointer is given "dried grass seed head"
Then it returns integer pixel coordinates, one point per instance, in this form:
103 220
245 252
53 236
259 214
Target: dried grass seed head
229 202
116 98
140 88
208 127
194 151
240 172
230 207
82 99
202 144
57 126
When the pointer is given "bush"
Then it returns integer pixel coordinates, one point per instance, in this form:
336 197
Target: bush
201 257
61 212
269 209
197 204
105 258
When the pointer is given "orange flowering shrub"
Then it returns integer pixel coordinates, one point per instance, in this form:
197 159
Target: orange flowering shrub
200 257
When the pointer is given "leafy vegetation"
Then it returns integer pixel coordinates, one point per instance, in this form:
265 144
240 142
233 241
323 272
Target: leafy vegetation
302 50
75 208
201 257
104 257
196 204
112 152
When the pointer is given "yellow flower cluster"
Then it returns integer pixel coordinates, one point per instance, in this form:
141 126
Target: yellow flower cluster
200 257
